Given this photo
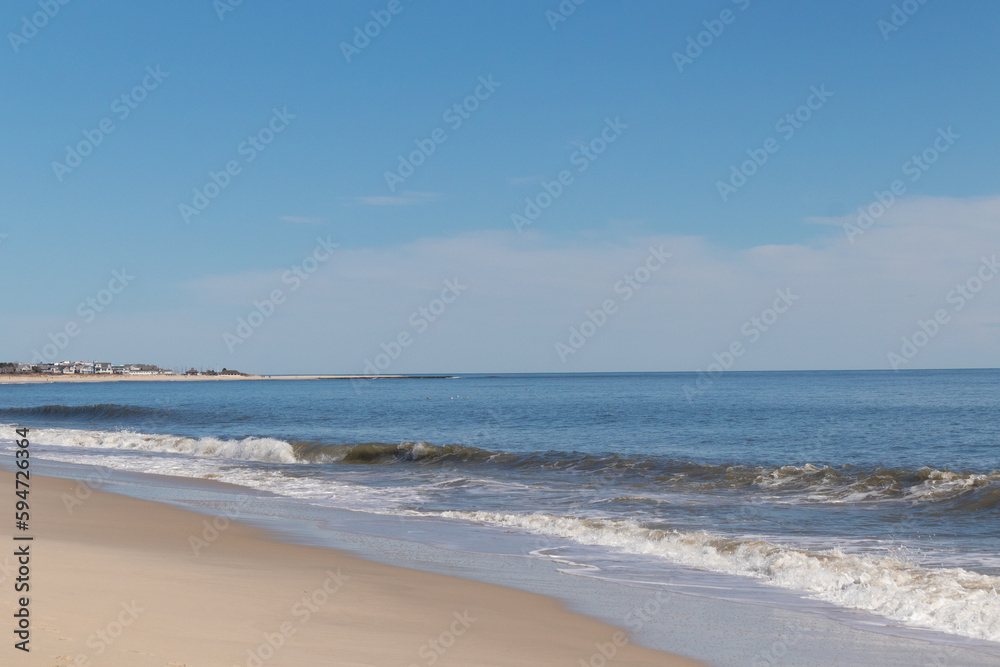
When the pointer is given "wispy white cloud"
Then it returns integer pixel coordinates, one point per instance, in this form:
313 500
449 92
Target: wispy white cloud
856 301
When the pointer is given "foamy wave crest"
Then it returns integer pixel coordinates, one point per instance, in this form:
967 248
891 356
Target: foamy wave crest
967 490
265 450
951 600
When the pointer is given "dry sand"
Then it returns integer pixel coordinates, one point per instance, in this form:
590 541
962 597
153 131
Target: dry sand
117 582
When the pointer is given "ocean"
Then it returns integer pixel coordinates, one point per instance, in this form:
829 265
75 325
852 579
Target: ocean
860 495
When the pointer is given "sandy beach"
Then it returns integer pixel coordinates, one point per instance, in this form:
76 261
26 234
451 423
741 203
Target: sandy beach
120 581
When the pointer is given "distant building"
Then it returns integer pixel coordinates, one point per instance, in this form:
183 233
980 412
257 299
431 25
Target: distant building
91 368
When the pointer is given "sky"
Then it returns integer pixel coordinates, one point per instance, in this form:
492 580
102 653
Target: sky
508 186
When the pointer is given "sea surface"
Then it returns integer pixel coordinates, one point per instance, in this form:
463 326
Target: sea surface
867 493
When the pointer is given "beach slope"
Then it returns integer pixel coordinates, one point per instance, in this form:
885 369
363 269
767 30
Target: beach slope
120 581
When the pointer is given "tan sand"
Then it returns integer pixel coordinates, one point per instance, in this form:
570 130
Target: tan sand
116 582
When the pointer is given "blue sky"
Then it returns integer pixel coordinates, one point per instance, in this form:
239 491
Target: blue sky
323 176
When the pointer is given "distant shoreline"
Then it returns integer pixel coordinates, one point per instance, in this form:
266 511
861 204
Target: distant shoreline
43 378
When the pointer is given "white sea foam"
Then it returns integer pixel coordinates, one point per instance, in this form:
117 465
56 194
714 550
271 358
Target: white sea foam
944 483
951 600
263 450
214 458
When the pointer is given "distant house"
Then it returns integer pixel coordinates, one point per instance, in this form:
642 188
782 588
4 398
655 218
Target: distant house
88 368
229 371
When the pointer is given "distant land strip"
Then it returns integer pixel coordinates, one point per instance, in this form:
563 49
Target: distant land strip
17 378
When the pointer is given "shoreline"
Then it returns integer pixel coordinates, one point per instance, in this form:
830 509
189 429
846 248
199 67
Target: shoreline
682 620
46 379
122 581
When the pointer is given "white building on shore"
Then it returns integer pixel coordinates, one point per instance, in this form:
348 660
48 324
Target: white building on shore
84 368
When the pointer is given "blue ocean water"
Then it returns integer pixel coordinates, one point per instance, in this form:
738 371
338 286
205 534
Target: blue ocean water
875 491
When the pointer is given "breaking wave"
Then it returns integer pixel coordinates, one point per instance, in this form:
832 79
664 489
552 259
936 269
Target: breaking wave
951 600
946 489
264 450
